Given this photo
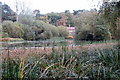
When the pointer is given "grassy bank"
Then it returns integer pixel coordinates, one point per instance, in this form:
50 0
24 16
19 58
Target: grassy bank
95 42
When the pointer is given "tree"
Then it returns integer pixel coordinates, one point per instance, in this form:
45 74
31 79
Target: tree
23 12
37 14
101 33
90 26
8 13
22 8
75 12
85 20
63 20
69 19
26 19
111 13
67 11
53 18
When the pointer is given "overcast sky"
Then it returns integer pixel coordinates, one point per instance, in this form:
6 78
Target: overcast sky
47 6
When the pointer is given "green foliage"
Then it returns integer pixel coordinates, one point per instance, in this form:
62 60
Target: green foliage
8 13
53 18
57 39
13 29
37 14
108 64
29 34
69 19
94 42
85 22
53 30
62 31
85 35
110 12
46 31
94 64
101 32
38 28
32 30
10 70
91 27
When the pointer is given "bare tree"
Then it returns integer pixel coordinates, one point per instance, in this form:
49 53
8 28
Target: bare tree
22 8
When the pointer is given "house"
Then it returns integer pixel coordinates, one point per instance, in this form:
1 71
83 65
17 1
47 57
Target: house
71 30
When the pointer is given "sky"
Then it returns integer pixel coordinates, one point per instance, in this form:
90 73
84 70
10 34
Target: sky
47 6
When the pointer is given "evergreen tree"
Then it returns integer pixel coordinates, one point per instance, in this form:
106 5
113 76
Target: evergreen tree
8 13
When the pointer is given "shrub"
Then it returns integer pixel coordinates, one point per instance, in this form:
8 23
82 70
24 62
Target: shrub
44 31
29 34
62 31
36 30
53 29
101 33
13 29
84 35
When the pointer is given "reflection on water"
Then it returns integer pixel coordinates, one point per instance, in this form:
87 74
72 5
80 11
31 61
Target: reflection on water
37 43
33 44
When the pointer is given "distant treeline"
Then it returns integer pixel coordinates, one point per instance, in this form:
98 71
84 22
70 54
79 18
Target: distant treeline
90 25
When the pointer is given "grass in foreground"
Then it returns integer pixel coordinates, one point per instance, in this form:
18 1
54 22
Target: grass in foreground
84 64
